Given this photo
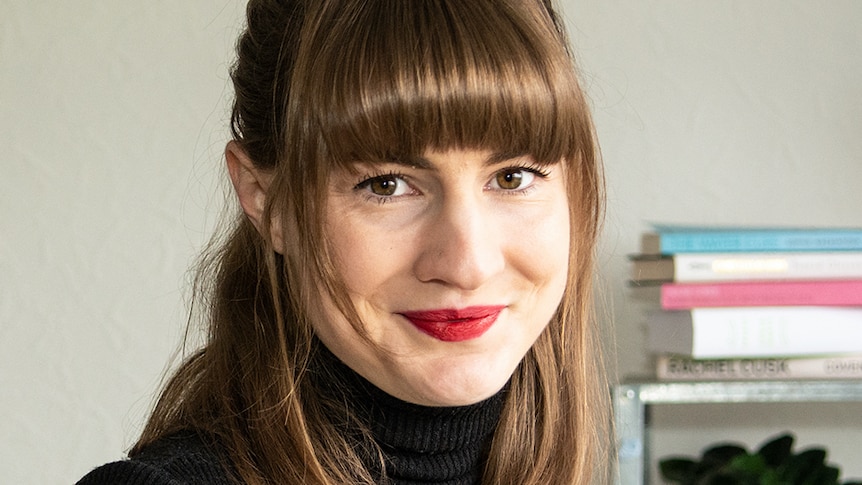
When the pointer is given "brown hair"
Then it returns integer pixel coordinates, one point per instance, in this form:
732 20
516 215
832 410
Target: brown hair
325 82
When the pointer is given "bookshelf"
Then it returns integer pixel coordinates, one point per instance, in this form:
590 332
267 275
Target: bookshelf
632 401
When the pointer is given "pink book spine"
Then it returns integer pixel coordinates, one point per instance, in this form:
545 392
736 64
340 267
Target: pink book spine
682 296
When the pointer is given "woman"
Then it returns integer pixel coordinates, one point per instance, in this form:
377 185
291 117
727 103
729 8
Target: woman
406 297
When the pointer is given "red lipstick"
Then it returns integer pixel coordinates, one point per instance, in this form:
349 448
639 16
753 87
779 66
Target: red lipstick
451 325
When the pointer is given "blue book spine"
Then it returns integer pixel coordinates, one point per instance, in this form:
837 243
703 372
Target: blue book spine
777 240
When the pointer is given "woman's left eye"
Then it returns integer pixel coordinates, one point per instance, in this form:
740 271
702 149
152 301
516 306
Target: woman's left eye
513 178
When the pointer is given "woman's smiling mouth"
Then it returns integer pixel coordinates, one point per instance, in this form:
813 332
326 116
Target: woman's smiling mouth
455 325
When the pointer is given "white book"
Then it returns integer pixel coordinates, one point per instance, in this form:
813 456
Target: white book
675 368
741 332
704 267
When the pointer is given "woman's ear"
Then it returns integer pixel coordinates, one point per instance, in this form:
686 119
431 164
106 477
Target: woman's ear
251 185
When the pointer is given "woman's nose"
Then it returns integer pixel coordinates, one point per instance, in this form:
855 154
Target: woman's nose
462 245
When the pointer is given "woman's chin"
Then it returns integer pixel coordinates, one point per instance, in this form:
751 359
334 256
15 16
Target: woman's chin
460 386
454 397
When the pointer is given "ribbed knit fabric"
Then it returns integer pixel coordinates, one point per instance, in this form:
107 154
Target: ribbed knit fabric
421 445
181 459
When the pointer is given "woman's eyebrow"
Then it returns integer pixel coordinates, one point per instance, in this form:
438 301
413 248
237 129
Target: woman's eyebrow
415 162
500 157
420 163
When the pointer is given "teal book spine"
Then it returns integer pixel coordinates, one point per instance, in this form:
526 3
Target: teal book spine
674 240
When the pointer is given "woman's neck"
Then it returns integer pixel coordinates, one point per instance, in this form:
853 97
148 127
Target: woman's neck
419 443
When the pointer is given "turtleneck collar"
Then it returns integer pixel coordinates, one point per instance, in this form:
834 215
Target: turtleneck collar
421 444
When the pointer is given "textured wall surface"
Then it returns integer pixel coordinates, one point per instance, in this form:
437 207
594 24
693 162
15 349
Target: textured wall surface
112 122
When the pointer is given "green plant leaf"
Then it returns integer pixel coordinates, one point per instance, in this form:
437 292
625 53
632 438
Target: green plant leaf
777 450
748 465
770 477
724 479
824 475
812 458
798 467
678 469
773 464
721 454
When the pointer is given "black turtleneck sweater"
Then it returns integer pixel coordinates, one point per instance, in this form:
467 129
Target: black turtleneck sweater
421 445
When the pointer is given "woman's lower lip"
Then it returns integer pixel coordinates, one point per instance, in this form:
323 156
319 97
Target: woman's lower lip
455 325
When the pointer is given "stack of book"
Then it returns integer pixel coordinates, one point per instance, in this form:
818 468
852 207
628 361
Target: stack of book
754 303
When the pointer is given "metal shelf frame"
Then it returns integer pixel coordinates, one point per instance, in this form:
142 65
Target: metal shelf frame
632 399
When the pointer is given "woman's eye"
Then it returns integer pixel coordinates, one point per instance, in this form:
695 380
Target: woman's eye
385 186
513 179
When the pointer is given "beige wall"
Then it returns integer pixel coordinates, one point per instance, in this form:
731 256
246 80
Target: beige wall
724 112
112 119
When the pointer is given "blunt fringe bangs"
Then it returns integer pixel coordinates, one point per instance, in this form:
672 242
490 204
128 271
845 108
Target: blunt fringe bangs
390 84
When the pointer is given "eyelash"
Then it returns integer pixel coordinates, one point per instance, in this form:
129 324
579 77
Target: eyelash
539 171
363 183
367 180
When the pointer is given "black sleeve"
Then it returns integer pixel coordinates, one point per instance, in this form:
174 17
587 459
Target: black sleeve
128 473
181 459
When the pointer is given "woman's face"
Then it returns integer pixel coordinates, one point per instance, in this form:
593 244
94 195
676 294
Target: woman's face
455 263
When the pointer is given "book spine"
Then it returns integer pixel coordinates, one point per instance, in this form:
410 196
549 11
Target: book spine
680 296
760 241
745 332
702 267
673 368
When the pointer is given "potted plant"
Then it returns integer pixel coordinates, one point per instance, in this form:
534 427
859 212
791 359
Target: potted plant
774 463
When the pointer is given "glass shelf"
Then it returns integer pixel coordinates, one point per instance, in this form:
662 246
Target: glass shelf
631 400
